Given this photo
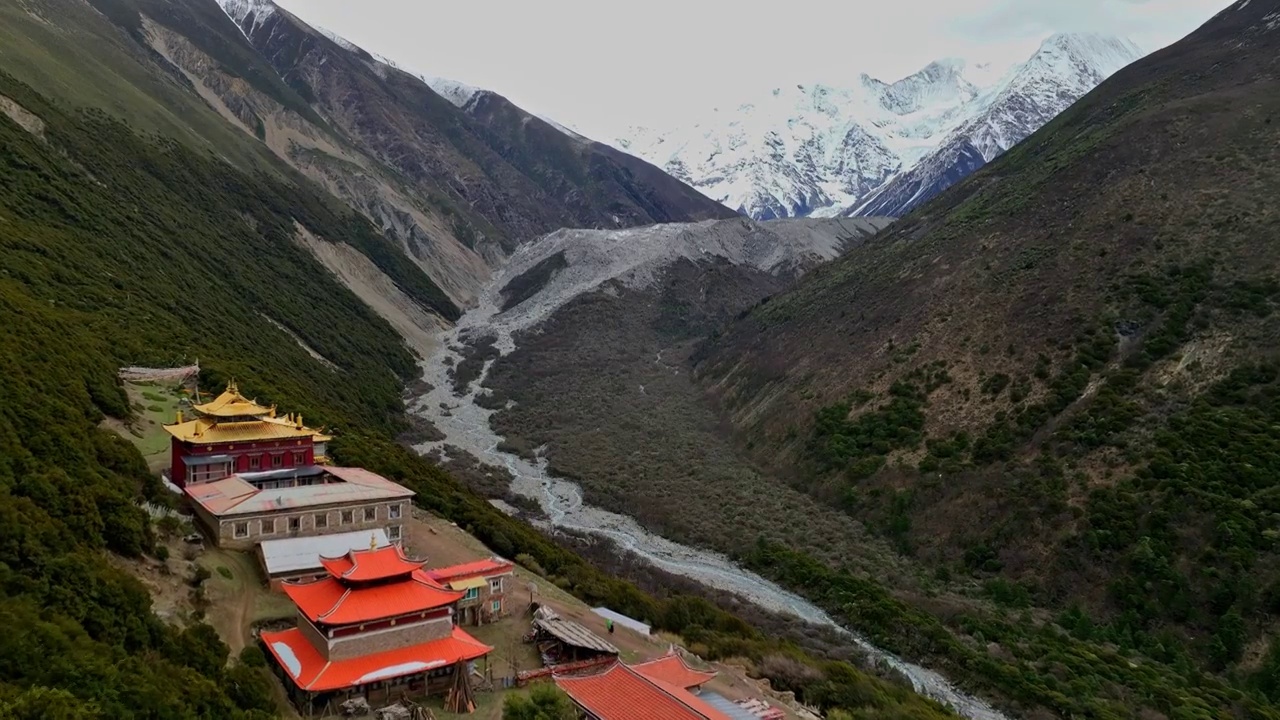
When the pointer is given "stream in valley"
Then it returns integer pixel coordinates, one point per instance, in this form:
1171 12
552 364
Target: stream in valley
466 425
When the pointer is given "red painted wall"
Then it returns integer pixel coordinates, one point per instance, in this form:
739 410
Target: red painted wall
242 452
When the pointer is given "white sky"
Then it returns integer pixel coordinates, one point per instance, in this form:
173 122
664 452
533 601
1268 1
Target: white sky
601 65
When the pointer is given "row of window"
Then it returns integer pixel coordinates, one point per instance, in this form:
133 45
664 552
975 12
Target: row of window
277 460
267 526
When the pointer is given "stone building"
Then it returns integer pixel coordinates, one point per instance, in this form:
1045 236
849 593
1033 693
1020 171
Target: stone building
242 510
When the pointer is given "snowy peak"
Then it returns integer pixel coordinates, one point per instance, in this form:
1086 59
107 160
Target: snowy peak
940 82
248 15
819 150
458 93
1103 53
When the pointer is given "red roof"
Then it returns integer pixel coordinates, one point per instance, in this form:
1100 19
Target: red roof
479 568
329 601
371 564
672 669
310 671
621 693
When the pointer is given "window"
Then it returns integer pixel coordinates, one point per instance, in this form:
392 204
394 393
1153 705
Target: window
393 512
255 462
370 514
299 458
322 520
295 524
242 529
472 594
496 606
495 585
348 517
268 526
277 461
393 532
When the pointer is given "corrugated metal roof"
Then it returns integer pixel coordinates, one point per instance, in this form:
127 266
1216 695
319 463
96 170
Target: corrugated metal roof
205 460
301 554
571 633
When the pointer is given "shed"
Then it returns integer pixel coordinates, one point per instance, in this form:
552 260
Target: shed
560 640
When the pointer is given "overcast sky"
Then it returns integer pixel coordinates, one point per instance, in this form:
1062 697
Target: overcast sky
601 65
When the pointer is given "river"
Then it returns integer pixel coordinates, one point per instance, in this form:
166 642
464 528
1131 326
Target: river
466 425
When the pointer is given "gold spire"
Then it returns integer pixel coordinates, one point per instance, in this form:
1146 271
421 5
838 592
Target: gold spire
373 541
179 416
299 421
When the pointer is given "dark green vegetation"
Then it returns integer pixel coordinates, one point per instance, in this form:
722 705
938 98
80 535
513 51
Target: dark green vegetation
544 702
1056 388
119 249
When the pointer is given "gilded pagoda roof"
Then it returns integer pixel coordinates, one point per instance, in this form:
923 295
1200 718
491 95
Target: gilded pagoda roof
232 404
208 431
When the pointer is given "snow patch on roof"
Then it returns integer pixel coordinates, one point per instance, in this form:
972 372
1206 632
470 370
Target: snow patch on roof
285 653
398 670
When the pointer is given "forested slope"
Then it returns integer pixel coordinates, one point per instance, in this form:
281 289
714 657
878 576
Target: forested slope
1058 383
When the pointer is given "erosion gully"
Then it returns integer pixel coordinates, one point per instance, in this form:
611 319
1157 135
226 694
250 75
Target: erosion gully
466 425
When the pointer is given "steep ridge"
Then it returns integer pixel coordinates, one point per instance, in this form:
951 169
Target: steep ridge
455 194
521 181
876 148
1058 380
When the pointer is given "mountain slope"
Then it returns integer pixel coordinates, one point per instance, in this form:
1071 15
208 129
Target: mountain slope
455 195
521 181
1059 377
877 148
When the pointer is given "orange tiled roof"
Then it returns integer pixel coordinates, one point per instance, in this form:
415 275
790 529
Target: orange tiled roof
310 671
330 602
672 669
621 693
379 563
479 568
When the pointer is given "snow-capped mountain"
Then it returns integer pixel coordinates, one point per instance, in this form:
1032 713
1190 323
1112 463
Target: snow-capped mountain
876 148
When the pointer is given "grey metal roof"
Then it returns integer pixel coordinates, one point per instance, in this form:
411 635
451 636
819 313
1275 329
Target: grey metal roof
623 620
571 633
290 555
726 706
206 459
